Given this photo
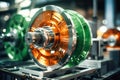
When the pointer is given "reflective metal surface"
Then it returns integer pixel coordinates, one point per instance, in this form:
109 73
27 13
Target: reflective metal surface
113 37
57 36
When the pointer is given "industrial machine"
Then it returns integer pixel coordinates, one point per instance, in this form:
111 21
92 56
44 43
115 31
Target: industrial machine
61 46
58 39
13 38
112 36
13 33
112 39
105 54
57 36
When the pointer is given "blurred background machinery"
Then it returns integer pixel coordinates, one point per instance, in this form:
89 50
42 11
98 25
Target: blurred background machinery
14 42
54 42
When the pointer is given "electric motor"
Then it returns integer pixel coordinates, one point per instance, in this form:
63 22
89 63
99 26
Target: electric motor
58 37
14 41
112 36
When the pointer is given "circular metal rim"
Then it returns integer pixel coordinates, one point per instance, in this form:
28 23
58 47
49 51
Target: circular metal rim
72 40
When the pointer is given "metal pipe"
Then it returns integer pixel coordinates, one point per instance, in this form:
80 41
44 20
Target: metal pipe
94 8
109 13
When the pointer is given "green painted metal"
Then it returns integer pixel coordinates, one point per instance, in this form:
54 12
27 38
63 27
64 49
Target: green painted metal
83 38
16 48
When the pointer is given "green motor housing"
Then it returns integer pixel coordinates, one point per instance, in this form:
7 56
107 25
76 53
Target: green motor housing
14 39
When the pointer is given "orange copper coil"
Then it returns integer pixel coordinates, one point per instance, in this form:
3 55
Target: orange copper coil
113 37
59 27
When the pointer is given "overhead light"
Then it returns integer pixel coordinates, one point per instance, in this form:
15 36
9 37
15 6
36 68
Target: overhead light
4 5
23 3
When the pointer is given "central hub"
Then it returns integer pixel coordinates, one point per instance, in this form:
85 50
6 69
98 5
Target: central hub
41 38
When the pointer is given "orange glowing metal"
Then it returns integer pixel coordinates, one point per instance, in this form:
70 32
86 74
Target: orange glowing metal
54 20
115 33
